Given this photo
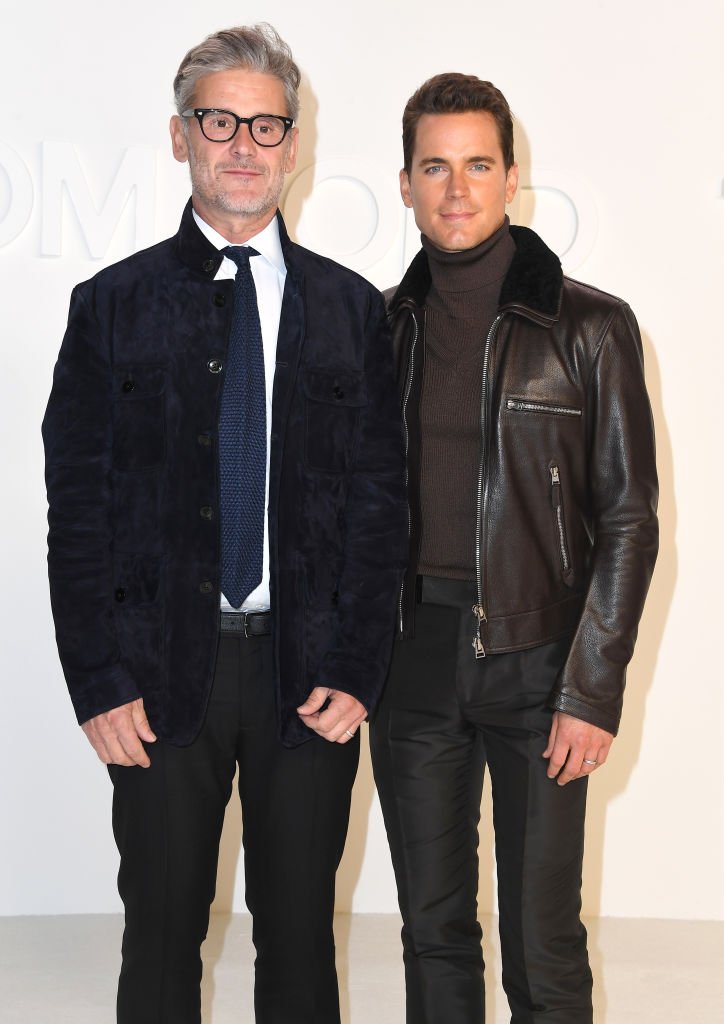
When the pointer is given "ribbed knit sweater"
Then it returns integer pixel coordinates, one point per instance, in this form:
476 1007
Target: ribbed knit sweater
460 308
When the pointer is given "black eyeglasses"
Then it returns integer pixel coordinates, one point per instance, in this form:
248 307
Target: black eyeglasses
222 125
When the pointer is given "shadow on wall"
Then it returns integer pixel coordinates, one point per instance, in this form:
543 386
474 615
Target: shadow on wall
305 158
610 783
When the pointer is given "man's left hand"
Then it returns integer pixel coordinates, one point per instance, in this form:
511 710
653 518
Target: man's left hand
575 748
340 719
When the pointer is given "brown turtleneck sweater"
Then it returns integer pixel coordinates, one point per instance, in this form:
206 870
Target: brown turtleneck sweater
460 308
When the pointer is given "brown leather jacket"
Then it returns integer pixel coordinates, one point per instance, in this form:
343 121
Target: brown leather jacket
566 529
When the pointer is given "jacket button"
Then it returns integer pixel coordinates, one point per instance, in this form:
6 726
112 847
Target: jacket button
204 440
128 385
120 594
215 366
338 393
219 299
206 512
206 587
208 265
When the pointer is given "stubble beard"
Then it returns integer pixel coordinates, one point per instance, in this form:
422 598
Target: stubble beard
251 207
210 192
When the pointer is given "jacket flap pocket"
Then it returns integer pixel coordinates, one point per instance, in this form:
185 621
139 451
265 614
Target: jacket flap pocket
137 578
335 387
138 381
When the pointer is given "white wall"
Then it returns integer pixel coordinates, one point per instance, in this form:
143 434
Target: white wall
619 137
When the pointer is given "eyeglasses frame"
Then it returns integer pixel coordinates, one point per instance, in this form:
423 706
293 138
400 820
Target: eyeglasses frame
199 112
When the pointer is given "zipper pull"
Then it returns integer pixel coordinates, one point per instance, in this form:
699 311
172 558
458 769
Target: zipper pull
479 613
555 487
478 647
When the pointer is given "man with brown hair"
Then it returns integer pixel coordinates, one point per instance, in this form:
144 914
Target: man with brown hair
227 524
533 535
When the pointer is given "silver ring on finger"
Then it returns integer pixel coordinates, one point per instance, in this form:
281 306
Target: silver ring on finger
347 732
587 761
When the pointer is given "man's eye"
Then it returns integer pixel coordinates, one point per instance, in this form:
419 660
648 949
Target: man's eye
218 122
432 170
479 167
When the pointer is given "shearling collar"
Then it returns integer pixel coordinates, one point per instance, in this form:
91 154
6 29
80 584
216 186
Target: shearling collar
532 286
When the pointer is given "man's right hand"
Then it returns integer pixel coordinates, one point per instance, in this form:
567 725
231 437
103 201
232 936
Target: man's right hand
116 735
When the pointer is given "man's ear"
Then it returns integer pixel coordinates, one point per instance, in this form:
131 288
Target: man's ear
291 158
405 188
511 183
179 142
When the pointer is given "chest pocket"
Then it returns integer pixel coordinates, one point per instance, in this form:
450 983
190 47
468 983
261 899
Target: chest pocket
545 407
139 417
332 405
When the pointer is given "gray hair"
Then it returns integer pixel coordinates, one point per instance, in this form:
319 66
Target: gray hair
248 47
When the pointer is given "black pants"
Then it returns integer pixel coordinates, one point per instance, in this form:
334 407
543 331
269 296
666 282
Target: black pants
443 717
167 821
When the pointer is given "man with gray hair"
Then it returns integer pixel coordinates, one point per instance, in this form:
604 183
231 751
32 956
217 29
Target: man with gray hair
227 524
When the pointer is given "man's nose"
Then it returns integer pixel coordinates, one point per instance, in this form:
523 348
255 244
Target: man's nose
457 185
243 143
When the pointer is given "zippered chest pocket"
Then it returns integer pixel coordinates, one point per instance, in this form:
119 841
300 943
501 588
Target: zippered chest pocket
546 407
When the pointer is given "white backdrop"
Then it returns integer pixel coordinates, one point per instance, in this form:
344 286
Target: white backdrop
619 136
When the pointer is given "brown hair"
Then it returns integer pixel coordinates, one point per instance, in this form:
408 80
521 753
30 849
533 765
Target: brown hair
453 93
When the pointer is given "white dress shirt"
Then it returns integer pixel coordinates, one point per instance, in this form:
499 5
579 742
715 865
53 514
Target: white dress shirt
269 273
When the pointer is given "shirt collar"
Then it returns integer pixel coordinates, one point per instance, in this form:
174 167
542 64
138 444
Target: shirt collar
266 243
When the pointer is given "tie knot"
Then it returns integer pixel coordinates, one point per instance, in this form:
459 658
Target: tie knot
239 254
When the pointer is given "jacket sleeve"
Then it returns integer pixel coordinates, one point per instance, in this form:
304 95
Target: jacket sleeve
375 546
623 492
77 433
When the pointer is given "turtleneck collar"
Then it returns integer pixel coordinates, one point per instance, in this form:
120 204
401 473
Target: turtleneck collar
466 285
471 269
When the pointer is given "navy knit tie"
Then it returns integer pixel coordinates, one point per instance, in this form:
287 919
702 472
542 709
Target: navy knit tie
242 440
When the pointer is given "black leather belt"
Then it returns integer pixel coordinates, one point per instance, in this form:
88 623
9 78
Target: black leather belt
246 623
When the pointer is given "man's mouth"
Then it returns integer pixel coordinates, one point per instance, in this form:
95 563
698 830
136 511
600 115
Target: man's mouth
242 171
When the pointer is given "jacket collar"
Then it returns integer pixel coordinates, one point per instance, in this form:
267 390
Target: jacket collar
533 285
198 253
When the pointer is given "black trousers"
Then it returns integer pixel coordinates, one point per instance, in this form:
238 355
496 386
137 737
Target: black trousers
167 822
443 717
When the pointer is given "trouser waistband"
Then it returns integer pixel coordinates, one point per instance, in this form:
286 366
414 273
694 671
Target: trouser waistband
246 623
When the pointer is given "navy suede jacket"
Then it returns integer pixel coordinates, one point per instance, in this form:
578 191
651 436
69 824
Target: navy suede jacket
132 475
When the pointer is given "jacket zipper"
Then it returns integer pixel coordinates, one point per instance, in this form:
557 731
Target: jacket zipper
518 405
406 437
557 503
482 501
